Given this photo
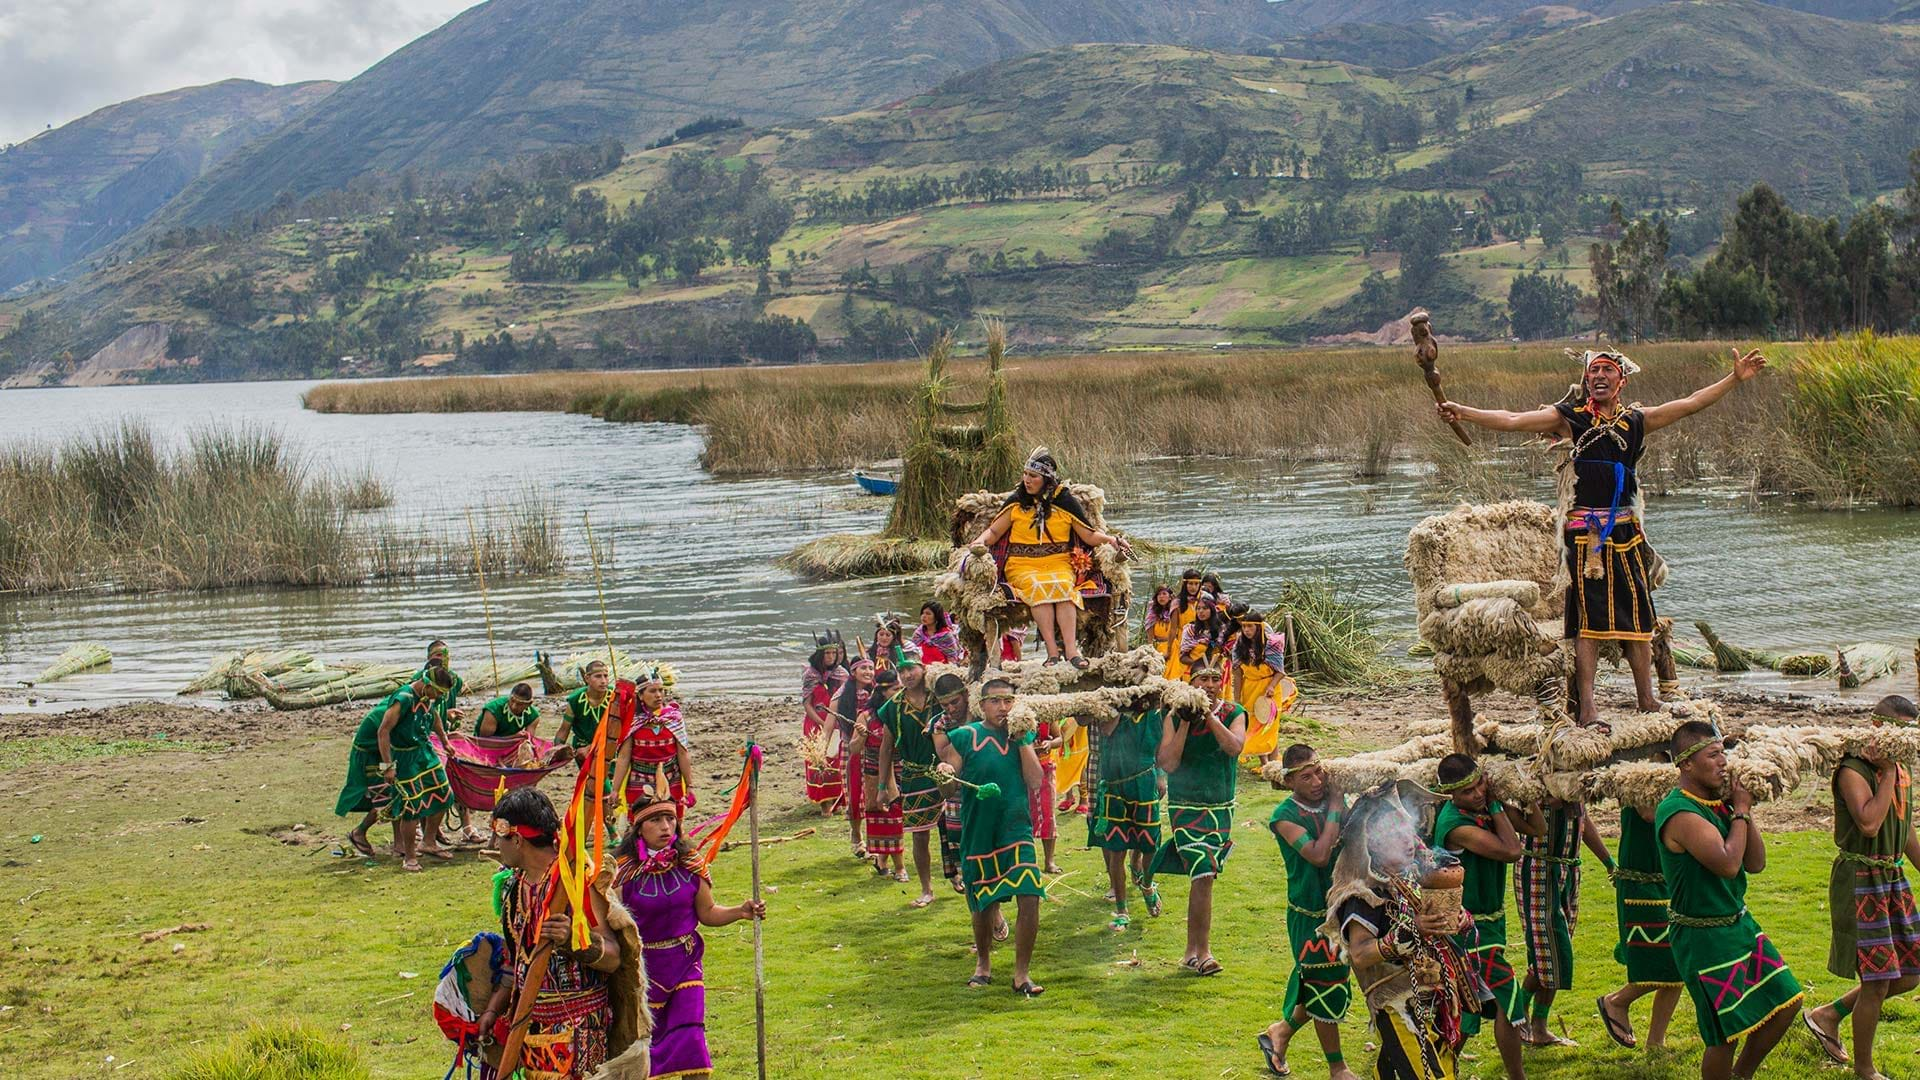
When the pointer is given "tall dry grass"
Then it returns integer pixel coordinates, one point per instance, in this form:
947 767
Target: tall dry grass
233 506
1854 421
1366 407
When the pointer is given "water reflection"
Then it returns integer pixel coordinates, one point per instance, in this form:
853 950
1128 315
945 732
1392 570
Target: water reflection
691 578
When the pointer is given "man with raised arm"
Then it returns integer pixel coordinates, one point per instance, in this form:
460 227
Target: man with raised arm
1609 599
1741 988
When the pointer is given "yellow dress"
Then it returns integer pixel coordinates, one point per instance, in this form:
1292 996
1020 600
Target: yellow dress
1038 567
1263 717
1177 664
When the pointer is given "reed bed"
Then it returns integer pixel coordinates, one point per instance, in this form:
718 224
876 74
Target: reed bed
1335 638
1364 406
232 506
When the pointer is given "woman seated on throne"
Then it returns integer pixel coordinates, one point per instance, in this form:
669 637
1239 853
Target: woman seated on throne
1043 528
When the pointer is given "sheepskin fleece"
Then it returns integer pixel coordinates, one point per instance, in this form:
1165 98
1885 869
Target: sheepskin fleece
1115 681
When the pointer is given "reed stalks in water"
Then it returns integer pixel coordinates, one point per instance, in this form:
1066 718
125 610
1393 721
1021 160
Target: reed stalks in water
1367 407
1335 642
232 506
1853 431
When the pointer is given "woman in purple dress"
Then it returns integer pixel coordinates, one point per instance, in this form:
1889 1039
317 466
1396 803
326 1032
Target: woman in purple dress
662 883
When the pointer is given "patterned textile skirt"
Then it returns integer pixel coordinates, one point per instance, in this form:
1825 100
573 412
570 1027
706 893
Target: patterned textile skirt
920 807
1876 932
567 1038
418 790
1040 804
883 825
1201 840
644 776
1645 947
1319 982
1485 953
1617 605
1126 814
1547 894
824 786
1409 1051
1734 975
1002 874
950 836
1048 579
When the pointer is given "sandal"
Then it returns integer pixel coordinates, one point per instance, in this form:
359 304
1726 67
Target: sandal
437 853
978 981
1003 931
1620 1032
1207 965
359 843
1829 1044
859 852
922 901
1276 1064
411 866
1119 922
1050 661
1065 805
1080 663
1151 895
1029 989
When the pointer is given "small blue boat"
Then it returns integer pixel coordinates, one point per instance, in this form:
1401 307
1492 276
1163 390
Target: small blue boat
874 484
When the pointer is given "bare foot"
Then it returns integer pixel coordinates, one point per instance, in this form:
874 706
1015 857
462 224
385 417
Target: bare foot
1341 1072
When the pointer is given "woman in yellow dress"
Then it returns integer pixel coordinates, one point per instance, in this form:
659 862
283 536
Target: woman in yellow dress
1260 684
1186 602
1041 520
1161 628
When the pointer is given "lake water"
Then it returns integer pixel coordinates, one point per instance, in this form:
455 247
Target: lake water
691 579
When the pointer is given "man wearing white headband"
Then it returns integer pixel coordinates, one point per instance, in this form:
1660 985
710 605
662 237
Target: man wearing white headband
1606 554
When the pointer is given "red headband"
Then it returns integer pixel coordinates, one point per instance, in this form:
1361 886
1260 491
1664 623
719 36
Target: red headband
526 832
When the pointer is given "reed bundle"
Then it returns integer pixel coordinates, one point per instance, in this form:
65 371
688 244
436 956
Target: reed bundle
237 665
86 656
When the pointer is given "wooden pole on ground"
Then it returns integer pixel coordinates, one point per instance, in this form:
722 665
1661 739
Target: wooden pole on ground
486 609
759 954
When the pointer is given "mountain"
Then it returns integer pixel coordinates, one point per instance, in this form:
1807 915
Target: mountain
1463 18
69 191
1093 195
510 78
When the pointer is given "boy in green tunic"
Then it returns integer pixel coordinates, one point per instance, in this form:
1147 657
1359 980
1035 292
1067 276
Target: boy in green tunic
446 716
511 714
997 858
1307 824
1876 930
1740 987
393 773
1645 945
1125 823
1199 754
584 712
1485 835
907 761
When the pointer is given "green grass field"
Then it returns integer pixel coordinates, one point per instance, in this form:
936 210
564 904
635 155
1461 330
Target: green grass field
856 980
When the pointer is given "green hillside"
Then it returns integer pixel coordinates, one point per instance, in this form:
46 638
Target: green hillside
75 189
511 78
1094 196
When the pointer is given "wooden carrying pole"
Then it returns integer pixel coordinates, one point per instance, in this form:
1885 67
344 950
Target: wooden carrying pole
759 953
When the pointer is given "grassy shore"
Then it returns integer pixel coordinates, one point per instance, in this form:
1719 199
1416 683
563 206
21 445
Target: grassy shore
147 841
233 506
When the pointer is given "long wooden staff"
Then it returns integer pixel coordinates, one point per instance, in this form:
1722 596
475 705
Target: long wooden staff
486 609
593 551
759 954
1426 351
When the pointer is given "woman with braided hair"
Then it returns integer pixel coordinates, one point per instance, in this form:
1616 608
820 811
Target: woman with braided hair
1606 553
1041 521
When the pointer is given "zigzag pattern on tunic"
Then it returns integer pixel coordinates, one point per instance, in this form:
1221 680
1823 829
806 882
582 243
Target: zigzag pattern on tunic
1743 975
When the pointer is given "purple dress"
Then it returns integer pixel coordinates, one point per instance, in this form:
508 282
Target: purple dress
659 892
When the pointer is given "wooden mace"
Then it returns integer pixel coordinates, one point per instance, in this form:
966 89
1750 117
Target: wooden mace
1426 351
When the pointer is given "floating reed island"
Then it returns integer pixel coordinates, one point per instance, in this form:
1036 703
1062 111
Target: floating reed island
231 506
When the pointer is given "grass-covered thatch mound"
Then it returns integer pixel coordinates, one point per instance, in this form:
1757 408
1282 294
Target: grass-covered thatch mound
845 555
285 1051
1334 640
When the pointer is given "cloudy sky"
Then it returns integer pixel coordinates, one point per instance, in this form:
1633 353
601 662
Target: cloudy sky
62 59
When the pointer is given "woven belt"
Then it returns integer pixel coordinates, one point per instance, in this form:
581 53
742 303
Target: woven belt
1558 860
1035 551
1713 922
1488 917
1883 862
1578 518
683 941
1308 912
1643 877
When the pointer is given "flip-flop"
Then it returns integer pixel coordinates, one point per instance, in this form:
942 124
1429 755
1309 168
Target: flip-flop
1275 1063
359 844
1151 894
1829 1044
1207 966
1080 663
901 877
922 901
1029 989
1119 923
1617 1031
978 981
438 853
411 866
1003 931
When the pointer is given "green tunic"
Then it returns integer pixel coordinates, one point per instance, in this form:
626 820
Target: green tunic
1200 803
1732 971
1126 800
441 707
998 860
1318 982
914 759
1645 947
1876 931
1484 894
419 787
505 724
584 720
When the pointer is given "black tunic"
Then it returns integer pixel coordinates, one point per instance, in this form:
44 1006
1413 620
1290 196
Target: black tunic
1593 466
